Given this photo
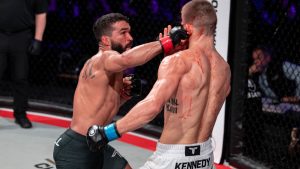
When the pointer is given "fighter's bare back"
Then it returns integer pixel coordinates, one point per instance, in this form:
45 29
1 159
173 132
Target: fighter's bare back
189 116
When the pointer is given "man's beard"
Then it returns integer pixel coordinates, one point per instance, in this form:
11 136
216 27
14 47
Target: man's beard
117 47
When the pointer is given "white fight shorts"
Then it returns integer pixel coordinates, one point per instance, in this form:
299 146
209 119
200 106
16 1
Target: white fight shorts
182 156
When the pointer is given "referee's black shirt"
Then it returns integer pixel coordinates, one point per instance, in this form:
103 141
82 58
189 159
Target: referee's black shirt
18 15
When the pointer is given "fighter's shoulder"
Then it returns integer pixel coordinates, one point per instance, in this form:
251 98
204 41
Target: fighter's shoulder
181 55
219 59
221 64
108 53
175 61
174 58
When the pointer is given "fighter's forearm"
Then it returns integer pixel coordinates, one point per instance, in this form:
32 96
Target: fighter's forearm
140 115
143 53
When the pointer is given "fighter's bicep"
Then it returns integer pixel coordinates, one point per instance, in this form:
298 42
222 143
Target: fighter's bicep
169 87
162 90
167 84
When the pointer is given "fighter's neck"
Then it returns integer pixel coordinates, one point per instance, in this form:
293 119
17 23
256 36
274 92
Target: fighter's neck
202 43
104 47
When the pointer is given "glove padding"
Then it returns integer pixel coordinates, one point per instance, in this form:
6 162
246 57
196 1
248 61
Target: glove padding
35 47
136 84
135 88
97 137
176 34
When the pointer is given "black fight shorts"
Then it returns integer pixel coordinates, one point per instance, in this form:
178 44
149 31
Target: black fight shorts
71 152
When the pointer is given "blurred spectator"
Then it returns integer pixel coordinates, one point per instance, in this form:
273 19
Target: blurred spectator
275 79
261 59
253 104
294 146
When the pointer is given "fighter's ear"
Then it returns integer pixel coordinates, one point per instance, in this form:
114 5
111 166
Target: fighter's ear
189 28
105 40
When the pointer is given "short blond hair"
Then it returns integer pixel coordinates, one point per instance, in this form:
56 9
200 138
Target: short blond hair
201 13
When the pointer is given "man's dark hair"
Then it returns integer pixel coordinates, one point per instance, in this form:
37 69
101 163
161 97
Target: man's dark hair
103 25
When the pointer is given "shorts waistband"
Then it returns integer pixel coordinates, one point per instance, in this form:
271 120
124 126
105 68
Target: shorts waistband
79 137
180 149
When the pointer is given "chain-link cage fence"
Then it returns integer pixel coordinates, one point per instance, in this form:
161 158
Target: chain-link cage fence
271 116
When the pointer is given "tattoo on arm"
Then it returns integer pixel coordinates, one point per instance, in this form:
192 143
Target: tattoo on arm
172 105
88 72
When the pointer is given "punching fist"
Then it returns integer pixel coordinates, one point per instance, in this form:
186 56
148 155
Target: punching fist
136 85
132 86
98 136
175 36
35 47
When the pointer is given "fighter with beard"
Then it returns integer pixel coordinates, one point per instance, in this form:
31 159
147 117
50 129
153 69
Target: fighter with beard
101 90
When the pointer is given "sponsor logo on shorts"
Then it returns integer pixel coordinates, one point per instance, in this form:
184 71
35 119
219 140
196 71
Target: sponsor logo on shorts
57 141
50 164
193 164
192 150
116 153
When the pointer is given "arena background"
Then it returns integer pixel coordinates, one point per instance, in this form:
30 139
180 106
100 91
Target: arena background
252 139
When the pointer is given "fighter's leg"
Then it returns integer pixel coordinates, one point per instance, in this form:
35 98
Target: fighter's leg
112 159
71 152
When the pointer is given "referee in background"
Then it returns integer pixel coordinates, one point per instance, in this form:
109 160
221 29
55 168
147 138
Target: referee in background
22 25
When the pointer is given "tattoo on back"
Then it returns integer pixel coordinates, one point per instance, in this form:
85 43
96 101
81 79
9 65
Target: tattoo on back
88 72
172 105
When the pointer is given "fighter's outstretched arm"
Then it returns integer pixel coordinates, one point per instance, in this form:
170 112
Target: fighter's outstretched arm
116 62
141 54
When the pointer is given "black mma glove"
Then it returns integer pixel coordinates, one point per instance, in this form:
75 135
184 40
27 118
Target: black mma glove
35 47
136 87
176 34
98 136
136 84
